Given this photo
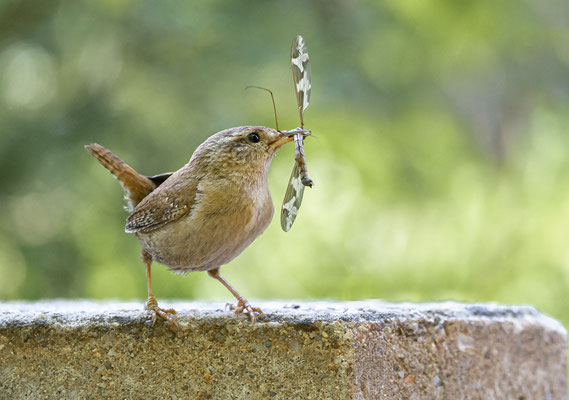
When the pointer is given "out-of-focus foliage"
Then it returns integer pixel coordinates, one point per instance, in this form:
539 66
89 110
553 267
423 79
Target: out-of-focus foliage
440 156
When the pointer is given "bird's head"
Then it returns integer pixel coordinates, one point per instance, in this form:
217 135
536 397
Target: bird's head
245 146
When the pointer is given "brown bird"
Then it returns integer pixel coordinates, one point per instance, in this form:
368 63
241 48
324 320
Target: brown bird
206 213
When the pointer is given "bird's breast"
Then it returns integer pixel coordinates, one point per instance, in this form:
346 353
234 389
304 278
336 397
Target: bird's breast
223 221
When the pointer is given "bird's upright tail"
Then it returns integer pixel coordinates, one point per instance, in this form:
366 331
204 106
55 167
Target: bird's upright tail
135 185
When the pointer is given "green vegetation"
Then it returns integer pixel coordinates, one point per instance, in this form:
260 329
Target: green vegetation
440 156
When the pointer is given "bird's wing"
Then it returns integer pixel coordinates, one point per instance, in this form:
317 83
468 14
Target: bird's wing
167 203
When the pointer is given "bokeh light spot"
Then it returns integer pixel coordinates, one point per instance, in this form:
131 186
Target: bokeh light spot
28 76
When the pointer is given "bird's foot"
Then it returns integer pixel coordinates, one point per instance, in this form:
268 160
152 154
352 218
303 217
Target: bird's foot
152 306
243 307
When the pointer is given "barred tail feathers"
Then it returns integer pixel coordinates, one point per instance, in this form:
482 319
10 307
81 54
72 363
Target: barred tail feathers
135 185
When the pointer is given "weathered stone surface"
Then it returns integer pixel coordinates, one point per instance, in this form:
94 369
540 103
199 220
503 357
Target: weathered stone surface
302 350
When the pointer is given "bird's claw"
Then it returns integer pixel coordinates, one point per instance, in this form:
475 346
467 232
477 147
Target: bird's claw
243 307
164 313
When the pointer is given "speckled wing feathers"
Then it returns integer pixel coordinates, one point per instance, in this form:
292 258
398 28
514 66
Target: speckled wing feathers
164 205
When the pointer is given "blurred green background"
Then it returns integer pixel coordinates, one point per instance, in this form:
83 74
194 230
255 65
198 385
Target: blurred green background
441 156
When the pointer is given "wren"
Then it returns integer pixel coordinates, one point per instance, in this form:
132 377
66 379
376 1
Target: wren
206 213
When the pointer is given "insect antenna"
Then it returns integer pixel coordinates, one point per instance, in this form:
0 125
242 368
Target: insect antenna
272 98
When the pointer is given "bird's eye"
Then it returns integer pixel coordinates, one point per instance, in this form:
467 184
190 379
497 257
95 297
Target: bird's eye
253 137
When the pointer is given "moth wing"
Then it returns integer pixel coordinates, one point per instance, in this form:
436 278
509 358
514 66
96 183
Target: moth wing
292 199
301 72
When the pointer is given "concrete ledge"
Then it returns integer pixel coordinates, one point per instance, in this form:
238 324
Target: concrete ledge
300 350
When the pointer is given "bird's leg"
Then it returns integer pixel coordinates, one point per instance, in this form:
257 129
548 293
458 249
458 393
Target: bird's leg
151 304
243 305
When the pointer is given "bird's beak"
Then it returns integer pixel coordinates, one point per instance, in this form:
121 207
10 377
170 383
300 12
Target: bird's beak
288 136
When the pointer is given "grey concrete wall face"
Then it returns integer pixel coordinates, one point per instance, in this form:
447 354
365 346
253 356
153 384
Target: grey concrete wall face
304 350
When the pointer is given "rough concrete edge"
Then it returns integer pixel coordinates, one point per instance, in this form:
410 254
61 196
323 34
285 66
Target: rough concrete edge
75 313
528 318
